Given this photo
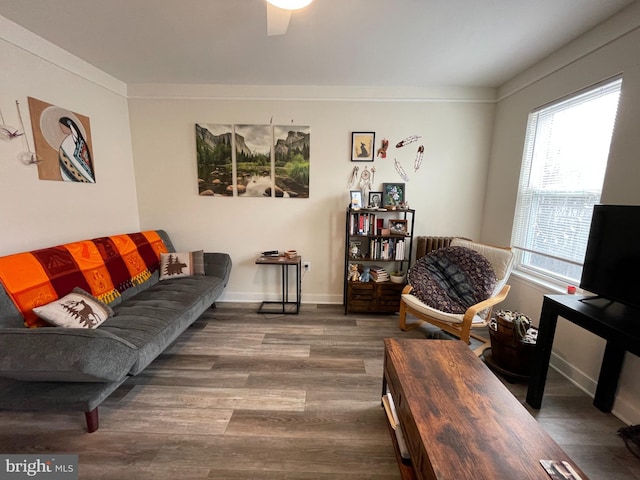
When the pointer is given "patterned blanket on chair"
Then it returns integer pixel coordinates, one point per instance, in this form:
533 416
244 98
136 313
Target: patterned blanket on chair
104 266
452 279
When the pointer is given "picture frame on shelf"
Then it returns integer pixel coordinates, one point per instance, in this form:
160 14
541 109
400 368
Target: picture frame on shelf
362 146
375 200
398 226
356 199
393 194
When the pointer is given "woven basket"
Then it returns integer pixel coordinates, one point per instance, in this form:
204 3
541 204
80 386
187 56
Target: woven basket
507 350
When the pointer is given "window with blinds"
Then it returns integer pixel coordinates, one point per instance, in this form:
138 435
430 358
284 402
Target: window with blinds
563 166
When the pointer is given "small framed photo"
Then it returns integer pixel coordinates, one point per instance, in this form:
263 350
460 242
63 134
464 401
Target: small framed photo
398 226
392 194
375 199
356 199
362 146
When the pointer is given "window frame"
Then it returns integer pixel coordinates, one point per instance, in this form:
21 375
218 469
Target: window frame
528 195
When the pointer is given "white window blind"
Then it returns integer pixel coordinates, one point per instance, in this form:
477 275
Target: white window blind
563 166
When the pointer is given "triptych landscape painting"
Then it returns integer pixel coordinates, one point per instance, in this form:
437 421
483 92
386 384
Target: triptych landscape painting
253 160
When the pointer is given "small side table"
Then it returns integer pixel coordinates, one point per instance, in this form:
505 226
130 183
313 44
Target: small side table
285 263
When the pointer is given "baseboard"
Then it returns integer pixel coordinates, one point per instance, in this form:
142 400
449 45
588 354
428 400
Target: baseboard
250 297
574 375
626 411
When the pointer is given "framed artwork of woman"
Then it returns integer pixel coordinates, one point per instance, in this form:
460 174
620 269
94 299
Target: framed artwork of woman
63 143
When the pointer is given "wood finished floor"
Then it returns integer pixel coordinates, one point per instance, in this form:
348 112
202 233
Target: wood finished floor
242 395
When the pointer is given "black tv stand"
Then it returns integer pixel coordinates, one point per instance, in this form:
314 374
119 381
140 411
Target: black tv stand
618 324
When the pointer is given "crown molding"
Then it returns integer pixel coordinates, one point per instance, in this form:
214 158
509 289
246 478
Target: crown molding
21 38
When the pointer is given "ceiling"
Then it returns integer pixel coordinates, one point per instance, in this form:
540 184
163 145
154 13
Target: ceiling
386 43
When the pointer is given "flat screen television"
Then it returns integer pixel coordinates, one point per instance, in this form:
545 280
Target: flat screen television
612 261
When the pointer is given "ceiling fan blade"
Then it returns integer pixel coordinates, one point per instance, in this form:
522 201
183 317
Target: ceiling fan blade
277 20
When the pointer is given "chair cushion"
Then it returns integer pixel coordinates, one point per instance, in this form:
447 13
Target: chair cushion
452 279
501 258
452 318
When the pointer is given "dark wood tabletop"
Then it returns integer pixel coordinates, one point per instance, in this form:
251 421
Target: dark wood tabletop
466 421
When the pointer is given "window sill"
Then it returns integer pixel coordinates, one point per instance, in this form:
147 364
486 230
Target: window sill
544 285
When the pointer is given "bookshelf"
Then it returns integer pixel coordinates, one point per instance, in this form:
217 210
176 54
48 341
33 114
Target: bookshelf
378 240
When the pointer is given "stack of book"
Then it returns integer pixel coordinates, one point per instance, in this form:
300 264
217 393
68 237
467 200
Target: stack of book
379 274
363 224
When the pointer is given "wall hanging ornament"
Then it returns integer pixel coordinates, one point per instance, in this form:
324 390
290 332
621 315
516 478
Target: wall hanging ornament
8 132
418 161
382 151
354 177
28 156
365 182
408 140
400 170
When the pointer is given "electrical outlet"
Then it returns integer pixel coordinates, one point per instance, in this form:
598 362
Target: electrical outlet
307 266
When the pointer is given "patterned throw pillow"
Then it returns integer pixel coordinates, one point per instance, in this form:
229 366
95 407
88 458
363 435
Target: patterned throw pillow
78 309
181 264
452 279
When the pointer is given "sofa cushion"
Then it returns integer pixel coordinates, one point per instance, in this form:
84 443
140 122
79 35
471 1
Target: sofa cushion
198 262
155 317
65 355
78 309
10 316
181 264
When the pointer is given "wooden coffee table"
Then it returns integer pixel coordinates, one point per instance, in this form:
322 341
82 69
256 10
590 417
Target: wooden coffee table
458 420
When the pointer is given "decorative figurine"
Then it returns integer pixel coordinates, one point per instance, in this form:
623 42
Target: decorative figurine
366 275
354 275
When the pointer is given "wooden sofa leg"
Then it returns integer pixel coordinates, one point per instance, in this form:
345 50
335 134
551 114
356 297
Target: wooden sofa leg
92 420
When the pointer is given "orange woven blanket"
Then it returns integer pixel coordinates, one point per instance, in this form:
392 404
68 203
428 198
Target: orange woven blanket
104 266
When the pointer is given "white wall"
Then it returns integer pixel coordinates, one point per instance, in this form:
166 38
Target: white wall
447 191
608 50
37 213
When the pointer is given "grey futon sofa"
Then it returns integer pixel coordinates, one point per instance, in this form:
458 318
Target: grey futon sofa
55 368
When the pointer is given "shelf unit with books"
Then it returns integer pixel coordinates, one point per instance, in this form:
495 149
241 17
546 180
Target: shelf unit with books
380 241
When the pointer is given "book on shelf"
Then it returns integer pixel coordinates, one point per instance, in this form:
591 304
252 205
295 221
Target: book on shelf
387 249
394 422
399 250
363 223
378 274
